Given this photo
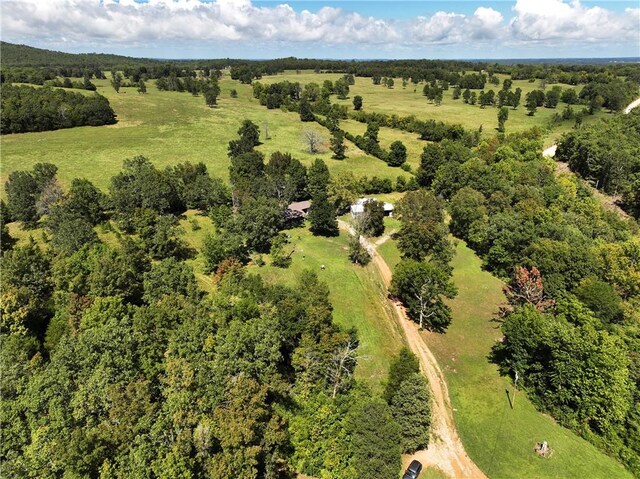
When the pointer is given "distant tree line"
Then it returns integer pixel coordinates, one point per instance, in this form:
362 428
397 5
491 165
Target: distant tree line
40 76
27 109
246 71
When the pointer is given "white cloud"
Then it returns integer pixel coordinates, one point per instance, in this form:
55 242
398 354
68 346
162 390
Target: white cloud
447 28
195 22
550 20
126 21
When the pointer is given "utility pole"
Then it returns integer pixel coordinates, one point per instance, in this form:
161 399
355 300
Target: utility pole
515 388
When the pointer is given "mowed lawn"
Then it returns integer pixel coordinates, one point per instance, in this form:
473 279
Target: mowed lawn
410 101
169 128
499 439
356 294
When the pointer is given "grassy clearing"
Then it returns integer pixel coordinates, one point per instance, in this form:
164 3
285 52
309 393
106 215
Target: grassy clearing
410 101
356 294
432 473
386 136
194 237
499 439
168 128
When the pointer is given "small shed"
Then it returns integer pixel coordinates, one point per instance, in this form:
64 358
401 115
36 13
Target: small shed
358 207
297 212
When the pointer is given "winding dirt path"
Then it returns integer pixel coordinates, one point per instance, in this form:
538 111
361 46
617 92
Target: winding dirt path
445 451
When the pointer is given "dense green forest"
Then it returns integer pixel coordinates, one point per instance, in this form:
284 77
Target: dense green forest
25 56
608 154
26 109
117 365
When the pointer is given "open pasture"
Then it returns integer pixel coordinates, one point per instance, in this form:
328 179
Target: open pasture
170 128
409 100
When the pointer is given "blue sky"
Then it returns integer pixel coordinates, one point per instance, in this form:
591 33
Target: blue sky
328 29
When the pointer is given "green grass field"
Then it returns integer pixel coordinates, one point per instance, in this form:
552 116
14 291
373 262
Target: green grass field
410 101
169 128
499 439
356 294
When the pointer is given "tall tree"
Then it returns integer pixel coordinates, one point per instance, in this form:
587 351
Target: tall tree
423 231
249 133
85 200
116 81
372 219
503 116
397 154
341 88
337 145
259 220
211 92
318 178
375 439
422 287
411 408
322 216
357 102
306 114
531 104
22 192
404 365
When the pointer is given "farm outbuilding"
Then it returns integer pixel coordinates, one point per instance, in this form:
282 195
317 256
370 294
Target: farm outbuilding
297 212
358 207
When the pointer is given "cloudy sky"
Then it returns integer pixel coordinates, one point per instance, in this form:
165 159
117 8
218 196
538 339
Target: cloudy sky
327 29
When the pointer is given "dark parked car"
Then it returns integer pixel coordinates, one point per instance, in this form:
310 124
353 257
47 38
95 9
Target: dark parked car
413 471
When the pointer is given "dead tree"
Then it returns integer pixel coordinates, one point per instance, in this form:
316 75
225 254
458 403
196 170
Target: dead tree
312 140
342 366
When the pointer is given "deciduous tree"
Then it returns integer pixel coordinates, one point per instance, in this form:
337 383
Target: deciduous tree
357 102
422 287
322 216
411 408
375 440
337 145
503 116
397 154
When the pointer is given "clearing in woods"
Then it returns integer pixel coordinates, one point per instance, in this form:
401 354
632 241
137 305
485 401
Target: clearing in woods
356 293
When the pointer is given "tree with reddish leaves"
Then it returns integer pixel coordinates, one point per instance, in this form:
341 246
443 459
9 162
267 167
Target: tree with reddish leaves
527 287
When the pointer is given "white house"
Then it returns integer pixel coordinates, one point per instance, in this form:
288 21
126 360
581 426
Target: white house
358 207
